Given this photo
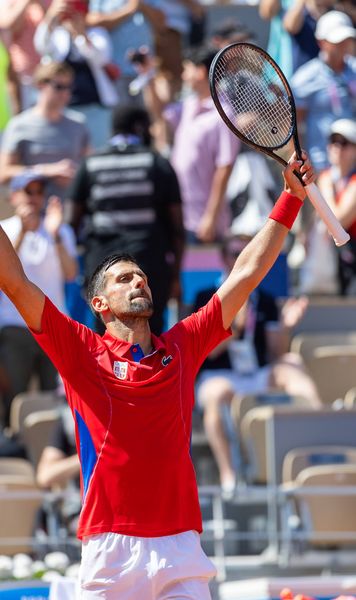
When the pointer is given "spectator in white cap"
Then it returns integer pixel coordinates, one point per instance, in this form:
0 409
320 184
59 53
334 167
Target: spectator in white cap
338 185
334 27
47 250
324 87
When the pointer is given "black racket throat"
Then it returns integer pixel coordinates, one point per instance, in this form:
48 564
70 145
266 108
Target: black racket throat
255 101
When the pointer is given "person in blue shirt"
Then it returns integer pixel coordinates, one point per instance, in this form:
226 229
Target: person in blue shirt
325 87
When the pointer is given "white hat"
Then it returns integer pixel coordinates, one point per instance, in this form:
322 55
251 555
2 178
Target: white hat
346 128
335 27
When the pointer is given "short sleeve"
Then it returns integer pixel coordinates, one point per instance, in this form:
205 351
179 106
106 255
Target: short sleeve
65 341
10 140
203 330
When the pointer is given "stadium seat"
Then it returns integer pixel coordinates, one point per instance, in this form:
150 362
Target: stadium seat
19 503
305 344
29 402
328 313
36 431
17 467
333 370
327 519
301 458
251 414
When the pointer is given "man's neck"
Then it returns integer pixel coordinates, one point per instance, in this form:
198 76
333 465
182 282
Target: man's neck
134 331
336 63
49 113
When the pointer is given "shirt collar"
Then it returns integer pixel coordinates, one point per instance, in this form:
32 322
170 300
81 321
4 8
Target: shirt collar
122 347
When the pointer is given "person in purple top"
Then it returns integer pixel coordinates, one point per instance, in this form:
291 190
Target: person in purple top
203 149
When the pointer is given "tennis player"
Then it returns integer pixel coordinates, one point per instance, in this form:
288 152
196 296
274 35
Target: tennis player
131 395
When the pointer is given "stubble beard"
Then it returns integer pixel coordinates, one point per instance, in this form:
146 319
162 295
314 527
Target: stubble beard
142 307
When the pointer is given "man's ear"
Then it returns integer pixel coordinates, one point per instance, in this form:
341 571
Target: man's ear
99 304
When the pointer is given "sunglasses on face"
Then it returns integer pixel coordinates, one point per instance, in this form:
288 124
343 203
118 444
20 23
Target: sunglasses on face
340 141
59 87
34 191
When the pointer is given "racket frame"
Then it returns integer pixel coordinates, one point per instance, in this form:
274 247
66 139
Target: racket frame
340 236
265 149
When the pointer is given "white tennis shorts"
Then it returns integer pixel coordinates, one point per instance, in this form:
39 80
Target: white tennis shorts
121 567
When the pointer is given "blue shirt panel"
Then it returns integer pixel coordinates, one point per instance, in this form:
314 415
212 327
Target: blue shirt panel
326 96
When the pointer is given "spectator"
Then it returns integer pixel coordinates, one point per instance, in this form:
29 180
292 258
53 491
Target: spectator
62 36
130 24
129 197
324 87
45 137
20 18
203 151
255 361
279 40
338 185
59 468
47 250
300 22
170 40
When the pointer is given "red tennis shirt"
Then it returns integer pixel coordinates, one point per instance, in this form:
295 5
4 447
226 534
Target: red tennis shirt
133 420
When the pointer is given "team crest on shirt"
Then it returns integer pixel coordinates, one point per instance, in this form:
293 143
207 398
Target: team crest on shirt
120 369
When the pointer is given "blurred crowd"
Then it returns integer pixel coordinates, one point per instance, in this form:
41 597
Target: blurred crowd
110 142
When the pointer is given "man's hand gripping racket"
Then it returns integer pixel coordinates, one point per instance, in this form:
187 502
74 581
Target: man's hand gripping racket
254 99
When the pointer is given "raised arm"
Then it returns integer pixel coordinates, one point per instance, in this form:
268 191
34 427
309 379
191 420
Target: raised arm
294 18
25 295
269 8
258 257
113 19
12 15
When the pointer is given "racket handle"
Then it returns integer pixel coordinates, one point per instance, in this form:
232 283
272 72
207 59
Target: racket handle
326 214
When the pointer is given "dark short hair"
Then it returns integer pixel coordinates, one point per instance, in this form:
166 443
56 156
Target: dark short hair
131 120
201 55
96 281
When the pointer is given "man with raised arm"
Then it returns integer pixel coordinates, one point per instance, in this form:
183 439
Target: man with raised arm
132 394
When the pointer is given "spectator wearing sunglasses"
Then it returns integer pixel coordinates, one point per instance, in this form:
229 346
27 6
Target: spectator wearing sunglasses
338 185
46 137
46 247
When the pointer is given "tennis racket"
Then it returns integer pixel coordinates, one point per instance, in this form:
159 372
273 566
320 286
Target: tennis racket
254 99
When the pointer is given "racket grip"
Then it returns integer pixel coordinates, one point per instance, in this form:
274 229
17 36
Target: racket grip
326 214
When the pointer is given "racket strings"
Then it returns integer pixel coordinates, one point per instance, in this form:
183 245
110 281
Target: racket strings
253 97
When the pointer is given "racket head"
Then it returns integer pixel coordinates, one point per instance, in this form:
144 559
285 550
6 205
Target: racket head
254 99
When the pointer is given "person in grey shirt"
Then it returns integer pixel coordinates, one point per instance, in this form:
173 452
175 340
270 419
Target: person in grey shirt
46 137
